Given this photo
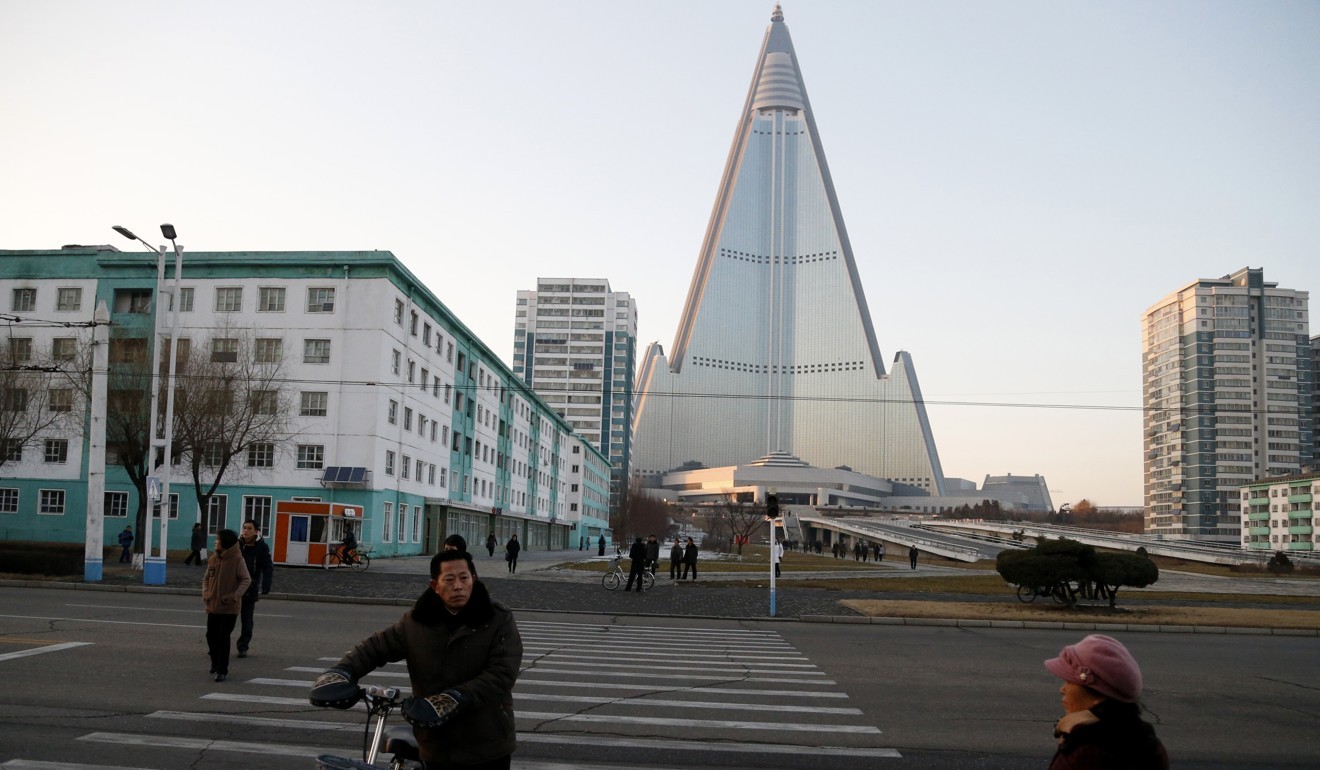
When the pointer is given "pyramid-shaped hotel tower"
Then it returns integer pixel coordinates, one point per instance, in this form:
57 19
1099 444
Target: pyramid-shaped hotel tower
775 350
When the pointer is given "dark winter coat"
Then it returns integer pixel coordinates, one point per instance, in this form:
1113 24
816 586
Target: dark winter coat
1109 736
259 565
480 657
690 554
676 554
511 550
653 551
198 541
638 552
225 581
125 538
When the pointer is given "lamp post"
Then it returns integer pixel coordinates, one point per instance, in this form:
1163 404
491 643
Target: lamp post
153 567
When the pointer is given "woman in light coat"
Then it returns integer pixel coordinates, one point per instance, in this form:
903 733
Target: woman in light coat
222 593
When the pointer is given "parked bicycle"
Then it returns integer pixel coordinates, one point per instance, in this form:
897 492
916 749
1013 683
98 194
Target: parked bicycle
1028 594
615 575
357 559
396 741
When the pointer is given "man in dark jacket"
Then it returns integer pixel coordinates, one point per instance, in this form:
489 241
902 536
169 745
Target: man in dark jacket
638 555
675 558
463 652
256 553
652 554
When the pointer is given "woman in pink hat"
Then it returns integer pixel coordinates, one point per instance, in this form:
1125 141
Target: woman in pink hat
1102 728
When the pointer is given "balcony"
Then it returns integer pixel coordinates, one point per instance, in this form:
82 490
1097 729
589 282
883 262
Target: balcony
1302 498
1301 529
1258 530
1301 546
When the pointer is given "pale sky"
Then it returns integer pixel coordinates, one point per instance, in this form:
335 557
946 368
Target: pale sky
1020 180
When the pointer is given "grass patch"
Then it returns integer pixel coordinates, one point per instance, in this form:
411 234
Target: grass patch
755 558
1172 616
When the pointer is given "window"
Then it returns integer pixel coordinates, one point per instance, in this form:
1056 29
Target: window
395 361
386 521
68 300
403 523
185 299
132 301
417 524
257 508
216 508
265 402
261 455
12 449
57 450
63 348
52 502
316 351
213 454
389 462
412 323
393 415
419 468
426 377
405 467
25 300
269 350
412 371
20 349
426 334
61 400
224 350
8 500
128 350
116 505
270 299
314 403
185 349
228 299
311 456
398 312
449 352
430 474
407 418
174 506
320 300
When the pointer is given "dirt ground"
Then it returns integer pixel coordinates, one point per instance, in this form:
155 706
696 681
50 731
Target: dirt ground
1172 616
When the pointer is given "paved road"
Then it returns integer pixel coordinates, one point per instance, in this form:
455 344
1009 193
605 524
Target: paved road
100 679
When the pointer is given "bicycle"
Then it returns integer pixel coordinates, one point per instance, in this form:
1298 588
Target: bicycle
615 575
396 741
357 559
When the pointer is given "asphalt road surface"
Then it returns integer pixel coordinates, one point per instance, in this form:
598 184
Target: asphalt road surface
119 680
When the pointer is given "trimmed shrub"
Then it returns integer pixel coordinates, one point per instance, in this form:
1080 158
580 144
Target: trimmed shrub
41 558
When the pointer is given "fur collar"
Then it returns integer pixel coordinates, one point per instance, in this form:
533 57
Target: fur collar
429 610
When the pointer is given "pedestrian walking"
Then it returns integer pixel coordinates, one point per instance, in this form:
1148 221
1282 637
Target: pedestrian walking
511 550
126 543
491 542
652 554
912 556
1102 726
582 542
879 552
675 558
690 559
777 554
256 557
196 545
600 545
223 585
638 555
875 551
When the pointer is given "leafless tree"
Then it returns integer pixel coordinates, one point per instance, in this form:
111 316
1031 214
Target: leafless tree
740 517
42 393
231 405
641 514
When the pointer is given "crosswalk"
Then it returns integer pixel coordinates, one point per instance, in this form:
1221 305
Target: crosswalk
603 694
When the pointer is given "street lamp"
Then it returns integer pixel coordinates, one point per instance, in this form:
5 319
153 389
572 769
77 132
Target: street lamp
153 567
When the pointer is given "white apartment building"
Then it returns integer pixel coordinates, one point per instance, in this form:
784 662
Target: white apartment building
1226 375
575 343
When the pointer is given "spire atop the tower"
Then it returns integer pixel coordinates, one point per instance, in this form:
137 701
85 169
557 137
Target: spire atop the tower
778 13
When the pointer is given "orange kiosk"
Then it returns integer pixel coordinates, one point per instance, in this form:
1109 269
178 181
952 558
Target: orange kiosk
304 531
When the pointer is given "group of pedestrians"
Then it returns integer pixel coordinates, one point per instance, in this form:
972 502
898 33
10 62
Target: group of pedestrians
511 549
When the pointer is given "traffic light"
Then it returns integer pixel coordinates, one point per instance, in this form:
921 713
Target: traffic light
772 506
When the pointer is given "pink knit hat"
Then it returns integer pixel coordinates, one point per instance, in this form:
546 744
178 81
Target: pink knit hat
1101 663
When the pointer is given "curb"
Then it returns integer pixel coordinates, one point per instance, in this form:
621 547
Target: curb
844 619
1064 626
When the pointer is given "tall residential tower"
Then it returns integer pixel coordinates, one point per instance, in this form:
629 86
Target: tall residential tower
575 343
775 350
1226 384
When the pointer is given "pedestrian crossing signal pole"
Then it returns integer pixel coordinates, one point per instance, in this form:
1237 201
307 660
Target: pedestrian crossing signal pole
771 514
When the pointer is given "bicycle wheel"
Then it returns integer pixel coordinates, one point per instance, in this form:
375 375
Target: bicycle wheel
361 562
1026 594
331 560
648 581
610 580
